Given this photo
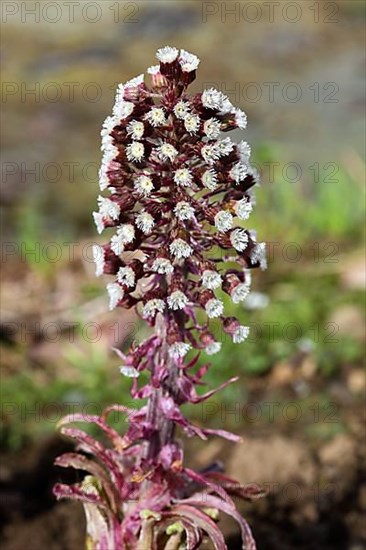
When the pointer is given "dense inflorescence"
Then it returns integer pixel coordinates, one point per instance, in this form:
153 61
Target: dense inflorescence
179 195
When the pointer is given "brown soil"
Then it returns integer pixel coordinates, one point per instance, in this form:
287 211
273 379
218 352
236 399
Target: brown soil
316 496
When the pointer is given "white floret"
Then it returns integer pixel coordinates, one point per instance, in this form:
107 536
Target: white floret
239 172
135 82
226 105
214 308
223 221
126 276
166 151
143 185
108 208
243 209
211 98
99 222
135 151
98 257
184 211
135 129
115 292
192 123
224 146
129 372
145 222
240 118
211 279
239 239
177 300
209 179
212 348
108 156
156 117
125 235
212 127
180 249
244 151
167 54
210 153
188 61
240 292
178 350
181 109
183 177
107 127
240 334
162 266
152 307
258 254
123 109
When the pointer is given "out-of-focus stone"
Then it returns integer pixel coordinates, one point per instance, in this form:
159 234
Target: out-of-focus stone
284 468
339 460
353 276
308 367
356 381
272 460
348 320
282 374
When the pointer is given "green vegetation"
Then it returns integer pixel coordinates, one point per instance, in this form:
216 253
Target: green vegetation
302 293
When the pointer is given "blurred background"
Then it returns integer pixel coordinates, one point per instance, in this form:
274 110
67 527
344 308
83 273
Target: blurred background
296 68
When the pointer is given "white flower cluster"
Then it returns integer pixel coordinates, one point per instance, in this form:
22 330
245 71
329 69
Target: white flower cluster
110 152
239 172
240 292
212 128
135 151
108 211
179 189
239 239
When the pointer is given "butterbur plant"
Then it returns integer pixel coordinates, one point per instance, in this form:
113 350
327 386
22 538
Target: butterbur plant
179 196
